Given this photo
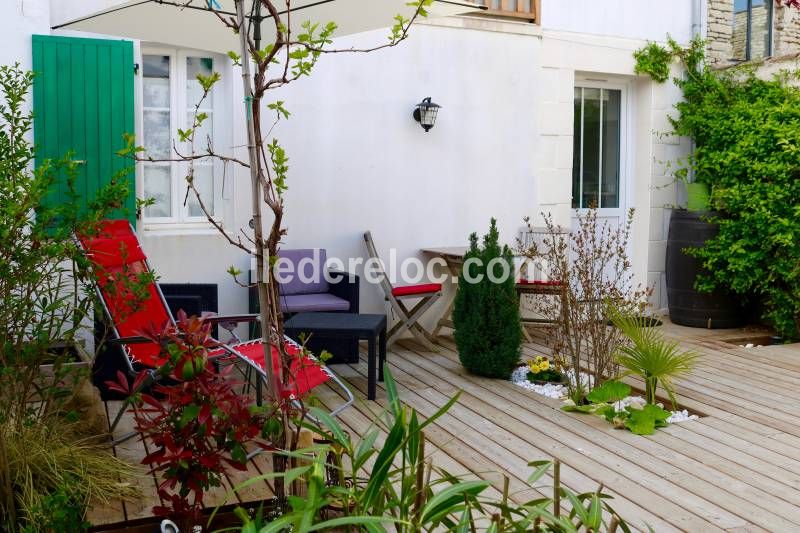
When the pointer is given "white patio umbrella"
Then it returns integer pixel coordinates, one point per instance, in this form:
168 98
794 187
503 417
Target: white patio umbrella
191 23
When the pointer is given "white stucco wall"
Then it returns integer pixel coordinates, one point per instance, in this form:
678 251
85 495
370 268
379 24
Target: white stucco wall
359 160
20 20
634 19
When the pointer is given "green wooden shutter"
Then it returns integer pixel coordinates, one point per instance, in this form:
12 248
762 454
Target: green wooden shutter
83 102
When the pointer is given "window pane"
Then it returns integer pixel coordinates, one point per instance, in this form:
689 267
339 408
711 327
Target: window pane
757 16
739 39
576 150
591 148
203 172
158 186
759 32
609 196
154 66
194 92
156 81
156 92
204 183
157 133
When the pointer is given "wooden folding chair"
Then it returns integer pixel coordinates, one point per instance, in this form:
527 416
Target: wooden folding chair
526 287
426 293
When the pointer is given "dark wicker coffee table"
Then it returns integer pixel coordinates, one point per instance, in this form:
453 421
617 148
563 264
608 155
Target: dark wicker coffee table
371 328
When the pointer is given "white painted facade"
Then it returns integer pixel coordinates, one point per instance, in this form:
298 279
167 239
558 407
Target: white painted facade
501 147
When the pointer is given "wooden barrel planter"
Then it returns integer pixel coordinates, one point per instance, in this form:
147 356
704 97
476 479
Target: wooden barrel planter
688 307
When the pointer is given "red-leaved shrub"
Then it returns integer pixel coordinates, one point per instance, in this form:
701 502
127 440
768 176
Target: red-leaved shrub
195 421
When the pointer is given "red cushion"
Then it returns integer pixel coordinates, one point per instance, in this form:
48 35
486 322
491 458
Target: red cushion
307 372
548 283
115 254
148 313
425 288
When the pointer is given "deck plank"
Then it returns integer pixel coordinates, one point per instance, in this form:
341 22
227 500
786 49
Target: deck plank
716 482
109 512
133 450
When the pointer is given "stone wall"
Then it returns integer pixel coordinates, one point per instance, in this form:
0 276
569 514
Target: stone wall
723 48
786 36
719 32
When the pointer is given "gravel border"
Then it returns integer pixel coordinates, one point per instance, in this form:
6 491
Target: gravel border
559 392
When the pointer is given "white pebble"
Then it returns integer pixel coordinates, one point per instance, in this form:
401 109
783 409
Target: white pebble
681 416
551 390
554 390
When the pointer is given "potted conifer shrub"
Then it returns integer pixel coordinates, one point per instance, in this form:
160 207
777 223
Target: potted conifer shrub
486 316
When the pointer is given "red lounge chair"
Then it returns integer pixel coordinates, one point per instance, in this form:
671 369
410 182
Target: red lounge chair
115 254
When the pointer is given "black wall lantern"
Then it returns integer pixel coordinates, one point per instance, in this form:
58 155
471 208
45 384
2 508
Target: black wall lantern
425 113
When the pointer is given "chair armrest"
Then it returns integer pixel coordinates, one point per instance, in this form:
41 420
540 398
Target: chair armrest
129 340
346 286
237 319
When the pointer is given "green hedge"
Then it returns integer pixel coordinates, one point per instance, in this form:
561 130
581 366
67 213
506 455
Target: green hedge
747 149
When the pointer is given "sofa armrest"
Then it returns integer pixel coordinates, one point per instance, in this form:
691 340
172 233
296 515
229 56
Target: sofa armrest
345 286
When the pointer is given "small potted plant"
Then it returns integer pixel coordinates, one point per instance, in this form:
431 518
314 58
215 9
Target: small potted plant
541 370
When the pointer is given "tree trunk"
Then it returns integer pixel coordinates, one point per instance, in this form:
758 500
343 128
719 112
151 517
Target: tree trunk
266 297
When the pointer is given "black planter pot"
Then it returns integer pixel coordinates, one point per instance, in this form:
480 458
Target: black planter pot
688 307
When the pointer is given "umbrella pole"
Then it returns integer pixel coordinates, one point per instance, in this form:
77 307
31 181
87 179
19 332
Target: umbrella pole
258 234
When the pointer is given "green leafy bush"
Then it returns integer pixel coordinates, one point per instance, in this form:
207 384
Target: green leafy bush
486 316
61 510
747 150
45 296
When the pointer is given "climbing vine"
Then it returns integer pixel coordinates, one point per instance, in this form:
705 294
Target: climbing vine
746 133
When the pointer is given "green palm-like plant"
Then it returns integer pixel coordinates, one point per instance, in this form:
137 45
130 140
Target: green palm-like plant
652 357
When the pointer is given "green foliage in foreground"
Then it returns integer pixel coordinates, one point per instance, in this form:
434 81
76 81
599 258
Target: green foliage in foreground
49 466
486 317
747 150
61 510
385 481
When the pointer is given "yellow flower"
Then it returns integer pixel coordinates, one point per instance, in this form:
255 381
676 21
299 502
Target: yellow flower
533 367
544 365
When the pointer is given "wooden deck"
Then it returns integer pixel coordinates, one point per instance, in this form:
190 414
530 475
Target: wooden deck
735 469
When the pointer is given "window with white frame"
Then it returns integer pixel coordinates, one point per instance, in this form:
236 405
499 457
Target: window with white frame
596 152
170 93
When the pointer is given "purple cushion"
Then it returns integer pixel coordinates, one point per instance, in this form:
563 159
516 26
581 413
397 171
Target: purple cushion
303 303
307 273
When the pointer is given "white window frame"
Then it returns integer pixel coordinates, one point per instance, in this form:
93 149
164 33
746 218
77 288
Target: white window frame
625 164
179 109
